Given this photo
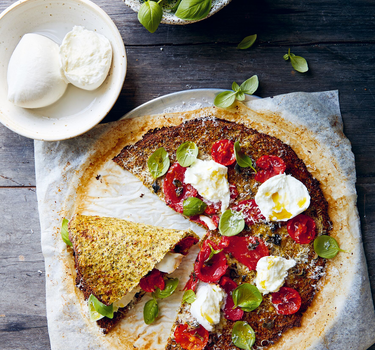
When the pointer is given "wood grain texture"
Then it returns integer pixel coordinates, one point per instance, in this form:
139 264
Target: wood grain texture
338 41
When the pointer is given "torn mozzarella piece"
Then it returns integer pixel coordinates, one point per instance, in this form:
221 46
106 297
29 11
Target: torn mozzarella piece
170 262
208 221
126 299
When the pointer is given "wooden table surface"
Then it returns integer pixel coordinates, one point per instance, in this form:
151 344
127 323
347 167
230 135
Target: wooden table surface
336 38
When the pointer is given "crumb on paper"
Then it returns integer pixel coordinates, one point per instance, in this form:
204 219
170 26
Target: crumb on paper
21 258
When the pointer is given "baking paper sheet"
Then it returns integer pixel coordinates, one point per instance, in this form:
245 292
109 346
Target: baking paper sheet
117 193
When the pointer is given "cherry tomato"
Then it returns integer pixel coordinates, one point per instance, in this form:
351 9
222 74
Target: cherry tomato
212 270
247 250
191 338
269 166
302 229
222 152
230 312
184 245
192 283
250 212
175 189
152 280
287 301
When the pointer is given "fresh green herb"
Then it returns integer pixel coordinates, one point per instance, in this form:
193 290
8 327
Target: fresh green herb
170 286
226 98
192 10
189 296
242 159
150 15
243 336
187 153
247 297
212 253
326 247
231 223
298 62
99 307
150 311
247 42
193 206
65 232
158 163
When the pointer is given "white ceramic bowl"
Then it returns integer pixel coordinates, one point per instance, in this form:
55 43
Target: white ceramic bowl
170 18
78 110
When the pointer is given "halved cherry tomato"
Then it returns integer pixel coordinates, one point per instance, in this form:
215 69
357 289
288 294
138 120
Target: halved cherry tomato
247 250
212 270
250 211
191 338
222 152
269 166
184 245
192 283
302 229
152 280
175 189
287 301
230 312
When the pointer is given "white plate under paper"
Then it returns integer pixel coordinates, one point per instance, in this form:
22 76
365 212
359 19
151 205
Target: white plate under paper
78 110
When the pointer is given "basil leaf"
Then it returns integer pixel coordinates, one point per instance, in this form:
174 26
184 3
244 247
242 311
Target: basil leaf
65 232
247 42
193 9
243 336
231 223
286 57
242 159
193 206
187 153
326 247
240 96
170 286
299 63
158 163
247 297
174 8
150 311
250 85
189 296
99 307
213 252
235 87
225 99
150 15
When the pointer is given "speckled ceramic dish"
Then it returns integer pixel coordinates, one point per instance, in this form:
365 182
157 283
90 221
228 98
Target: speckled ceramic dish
170 18
78 110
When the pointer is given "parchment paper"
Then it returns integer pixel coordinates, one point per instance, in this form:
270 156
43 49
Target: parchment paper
119 194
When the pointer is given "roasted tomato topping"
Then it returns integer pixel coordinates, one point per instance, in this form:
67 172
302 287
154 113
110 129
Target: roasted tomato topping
222 152
247 250
191 338
269 166
250 211
192 283
230 312
212 207
175 189
184 245
233 192
287 301
211 270
152 280
302 229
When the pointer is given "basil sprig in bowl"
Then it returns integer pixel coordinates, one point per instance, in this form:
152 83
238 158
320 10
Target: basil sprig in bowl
178 11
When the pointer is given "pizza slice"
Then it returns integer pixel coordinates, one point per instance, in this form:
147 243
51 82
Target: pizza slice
118 261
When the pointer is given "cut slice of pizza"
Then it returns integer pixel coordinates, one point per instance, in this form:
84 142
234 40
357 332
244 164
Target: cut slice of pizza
118 261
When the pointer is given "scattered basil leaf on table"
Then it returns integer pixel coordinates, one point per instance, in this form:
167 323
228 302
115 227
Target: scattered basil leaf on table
235 87
158 163
326 247
298 62
247 42
150 311
193 9
99 307
242 159
212 253
65 232
250 85
247 297
193 206
231 223
187 153
170 286
150 15
189 296
243 336
225 99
